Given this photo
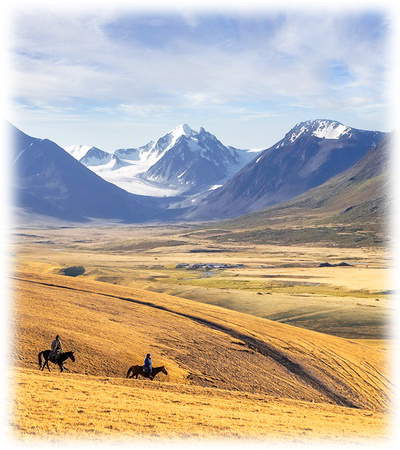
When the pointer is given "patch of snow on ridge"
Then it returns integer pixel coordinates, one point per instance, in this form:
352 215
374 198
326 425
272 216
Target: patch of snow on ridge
294 136
78 151
332 130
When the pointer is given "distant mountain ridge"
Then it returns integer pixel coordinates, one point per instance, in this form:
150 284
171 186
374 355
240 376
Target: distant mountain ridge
181 161
349 210
309 154
50 182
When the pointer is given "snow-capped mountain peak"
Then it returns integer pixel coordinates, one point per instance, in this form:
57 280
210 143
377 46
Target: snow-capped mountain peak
320 128
158 149
96 157
181 160
311 153
182 130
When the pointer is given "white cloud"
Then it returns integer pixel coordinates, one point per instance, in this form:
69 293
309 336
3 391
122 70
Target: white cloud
66 59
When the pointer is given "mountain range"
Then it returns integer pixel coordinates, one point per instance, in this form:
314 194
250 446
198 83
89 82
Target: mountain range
182 161
309 154
49 182
347 210
188 167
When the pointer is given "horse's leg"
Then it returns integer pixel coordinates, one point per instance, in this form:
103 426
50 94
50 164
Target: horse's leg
60 365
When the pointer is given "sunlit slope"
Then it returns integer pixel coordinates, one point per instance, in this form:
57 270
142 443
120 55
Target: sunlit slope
112 327
72 406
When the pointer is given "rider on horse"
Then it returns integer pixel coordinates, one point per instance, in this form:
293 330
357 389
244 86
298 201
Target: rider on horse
56 349
147 366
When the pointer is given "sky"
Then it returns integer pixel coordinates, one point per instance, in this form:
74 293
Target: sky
123 76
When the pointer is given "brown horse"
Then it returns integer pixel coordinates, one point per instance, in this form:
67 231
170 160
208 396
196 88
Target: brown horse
134 371
62 357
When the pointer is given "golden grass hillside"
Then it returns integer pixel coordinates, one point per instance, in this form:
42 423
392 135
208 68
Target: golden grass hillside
112 327
63 407
229 374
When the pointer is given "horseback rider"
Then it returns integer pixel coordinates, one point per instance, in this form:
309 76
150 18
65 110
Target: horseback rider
147 366
56 349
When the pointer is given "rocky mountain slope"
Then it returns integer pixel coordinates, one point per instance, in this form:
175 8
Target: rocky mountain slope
350 209
309 155
50 182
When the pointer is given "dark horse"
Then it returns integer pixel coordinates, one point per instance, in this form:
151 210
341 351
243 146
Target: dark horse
62 357
134 371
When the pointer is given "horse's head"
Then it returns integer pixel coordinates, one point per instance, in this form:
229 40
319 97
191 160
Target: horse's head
72 356
164 370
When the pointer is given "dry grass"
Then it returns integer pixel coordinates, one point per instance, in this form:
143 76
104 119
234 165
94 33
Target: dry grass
75 406
230 374
111 327
283 283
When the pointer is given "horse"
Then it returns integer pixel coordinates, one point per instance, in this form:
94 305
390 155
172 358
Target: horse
62 357
134 371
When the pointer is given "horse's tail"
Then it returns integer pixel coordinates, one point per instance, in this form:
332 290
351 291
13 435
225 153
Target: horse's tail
129 372
40 359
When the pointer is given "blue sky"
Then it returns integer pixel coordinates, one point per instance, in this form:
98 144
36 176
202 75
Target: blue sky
121 77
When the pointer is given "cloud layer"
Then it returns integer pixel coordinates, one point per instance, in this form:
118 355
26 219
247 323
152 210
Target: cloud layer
238 67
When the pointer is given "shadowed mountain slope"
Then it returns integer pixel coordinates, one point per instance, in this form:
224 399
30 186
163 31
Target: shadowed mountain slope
349 209
309 155
50 182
